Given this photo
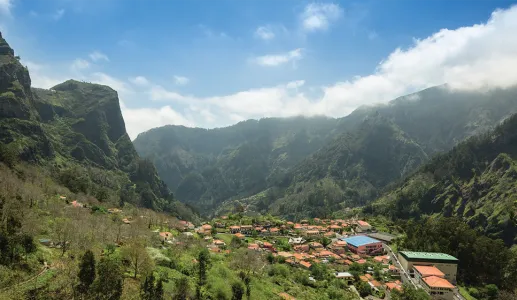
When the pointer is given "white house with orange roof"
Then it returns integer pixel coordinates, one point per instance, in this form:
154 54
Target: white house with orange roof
363 225
439 288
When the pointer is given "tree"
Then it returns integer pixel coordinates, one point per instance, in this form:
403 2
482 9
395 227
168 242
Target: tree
147 288
325 241
110 279
409 293
203 261
237 291
181 289
86 273
319 271
158 290
138 257
364 289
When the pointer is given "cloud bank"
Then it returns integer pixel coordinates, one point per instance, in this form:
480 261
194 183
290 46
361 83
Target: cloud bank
477 57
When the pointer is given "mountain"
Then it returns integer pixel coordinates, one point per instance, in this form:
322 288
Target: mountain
349 171
214 168
75 129
206 166
475 181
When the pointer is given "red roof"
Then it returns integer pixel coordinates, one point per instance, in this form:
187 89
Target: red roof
375 283
363 223
438 282
393 285
306 264
429 271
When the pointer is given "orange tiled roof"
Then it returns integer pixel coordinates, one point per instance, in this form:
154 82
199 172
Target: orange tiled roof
375 283
306 264
429 271
392 285
438 282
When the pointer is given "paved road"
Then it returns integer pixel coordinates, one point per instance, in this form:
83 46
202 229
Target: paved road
405 276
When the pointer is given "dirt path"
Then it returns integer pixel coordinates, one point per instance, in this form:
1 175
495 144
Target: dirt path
45 269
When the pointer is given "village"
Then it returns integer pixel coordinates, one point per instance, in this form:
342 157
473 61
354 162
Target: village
352 249
365 259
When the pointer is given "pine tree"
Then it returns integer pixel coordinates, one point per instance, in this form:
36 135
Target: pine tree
237 291
110 279
86 272
158 291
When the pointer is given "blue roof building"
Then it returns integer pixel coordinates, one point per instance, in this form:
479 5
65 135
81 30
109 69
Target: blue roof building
360 244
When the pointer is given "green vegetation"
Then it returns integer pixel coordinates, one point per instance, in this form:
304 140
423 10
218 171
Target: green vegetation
301 167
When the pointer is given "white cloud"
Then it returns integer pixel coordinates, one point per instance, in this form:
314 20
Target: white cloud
279 59
318 16
5 7
181 80
139 80
58 14
97 56
141 119
80 64
477 57
265 33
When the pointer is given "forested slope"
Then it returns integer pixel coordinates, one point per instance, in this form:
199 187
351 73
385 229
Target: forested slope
476 181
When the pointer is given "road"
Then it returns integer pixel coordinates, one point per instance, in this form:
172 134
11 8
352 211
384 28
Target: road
404 275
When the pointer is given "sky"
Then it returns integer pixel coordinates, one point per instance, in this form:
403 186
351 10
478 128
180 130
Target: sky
214 63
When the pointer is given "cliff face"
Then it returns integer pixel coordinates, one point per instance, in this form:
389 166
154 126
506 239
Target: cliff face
20 132
76 129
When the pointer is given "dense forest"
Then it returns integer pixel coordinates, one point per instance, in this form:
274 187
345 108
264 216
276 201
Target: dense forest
475 182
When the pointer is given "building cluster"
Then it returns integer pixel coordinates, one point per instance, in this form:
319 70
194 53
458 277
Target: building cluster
434 272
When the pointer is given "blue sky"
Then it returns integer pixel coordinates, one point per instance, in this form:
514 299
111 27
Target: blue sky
214 63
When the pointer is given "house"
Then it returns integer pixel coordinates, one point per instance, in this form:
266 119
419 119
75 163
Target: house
316 245
305 264
363 278
274 231
254 247
206 229
393 286
296 241
114 210
165 236
219 243
126 221
246 229
62 197
384 259
360 244
310 233
301 248
240 235
426 271
234 229
439 288
267 245
364 226
330 234
338 247
375 284
347 277
446 263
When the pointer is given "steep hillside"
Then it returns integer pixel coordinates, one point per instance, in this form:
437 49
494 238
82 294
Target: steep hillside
349 171
208 167
75 129
205 167
475 181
